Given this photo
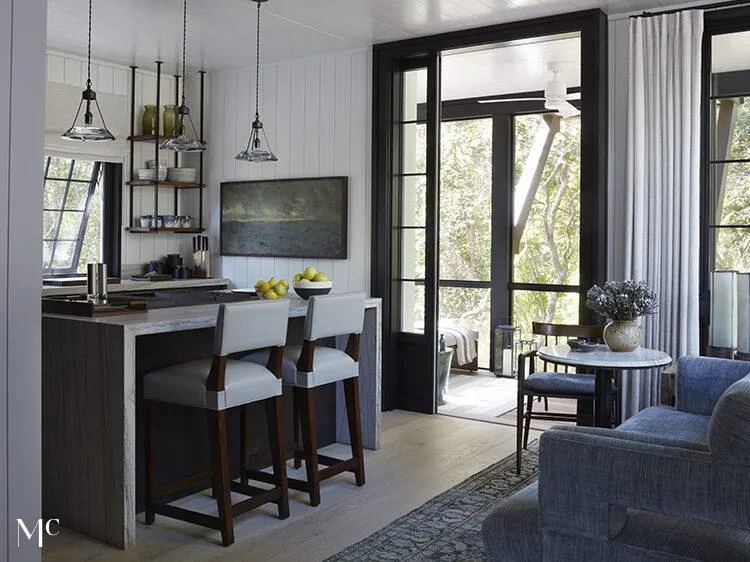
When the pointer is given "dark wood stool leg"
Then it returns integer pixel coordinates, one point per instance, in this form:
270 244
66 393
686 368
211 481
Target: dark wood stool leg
527 424
150 461
519 430
245 442
296 406
310 439
351 394
217 434
546 404
276 444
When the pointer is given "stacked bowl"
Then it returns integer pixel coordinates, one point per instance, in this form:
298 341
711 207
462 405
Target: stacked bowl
185 175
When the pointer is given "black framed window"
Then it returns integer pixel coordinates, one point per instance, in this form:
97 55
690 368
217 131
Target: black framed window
80 215
725 170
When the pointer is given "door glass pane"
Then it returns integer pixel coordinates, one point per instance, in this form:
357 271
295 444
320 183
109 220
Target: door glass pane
412 253
470 309
51 219
538 306
59 168
412 307
732 250
466 199
547 200
415 93
732 128
413 201
731 189
83 169
413 148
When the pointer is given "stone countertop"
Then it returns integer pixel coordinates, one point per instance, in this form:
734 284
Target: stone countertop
181 318
133 285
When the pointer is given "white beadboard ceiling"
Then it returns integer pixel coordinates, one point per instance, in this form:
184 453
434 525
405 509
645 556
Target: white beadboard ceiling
221 33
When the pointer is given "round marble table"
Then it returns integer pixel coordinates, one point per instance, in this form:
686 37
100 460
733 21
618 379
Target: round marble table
603 360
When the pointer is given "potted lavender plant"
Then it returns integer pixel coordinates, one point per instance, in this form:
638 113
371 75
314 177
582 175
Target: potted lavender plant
622 302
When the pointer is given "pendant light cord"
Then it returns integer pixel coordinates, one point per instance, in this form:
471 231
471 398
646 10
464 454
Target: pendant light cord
257 62
88 63
184 35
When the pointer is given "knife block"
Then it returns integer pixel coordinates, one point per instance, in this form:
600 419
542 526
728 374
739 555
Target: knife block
202 264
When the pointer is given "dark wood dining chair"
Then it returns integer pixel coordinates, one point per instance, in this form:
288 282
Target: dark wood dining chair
553 381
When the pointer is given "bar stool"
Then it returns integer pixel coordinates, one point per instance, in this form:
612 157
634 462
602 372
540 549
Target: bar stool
217 385
310 366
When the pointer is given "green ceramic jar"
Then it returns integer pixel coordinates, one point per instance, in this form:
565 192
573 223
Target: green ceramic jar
168 119
148 119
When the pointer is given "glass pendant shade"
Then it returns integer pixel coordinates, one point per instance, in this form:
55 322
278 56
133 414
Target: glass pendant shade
88 131
181 139
258 149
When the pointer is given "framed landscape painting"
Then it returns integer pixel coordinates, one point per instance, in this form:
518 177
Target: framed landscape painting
289 218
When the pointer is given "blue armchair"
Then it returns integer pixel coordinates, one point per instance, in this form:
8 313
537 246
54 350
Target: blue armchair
668 484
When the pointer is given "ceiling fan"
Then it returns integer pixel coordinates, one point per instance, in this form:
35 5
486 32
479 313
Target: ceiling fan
555 95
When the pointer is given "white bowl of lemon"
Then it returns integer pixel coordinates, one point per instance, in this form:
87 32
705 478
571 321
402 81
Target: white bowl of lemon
272 289
311 282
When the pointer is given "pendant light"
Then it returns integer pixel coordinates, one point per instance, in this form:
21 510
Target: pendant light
257 149
88 131
180 141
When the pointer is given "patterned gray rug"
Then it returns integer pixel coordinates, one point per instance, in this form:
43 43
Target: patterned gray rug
449 526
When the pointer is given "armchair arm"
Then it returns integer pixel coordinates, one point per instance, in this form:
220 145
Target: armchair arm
588 480
702 380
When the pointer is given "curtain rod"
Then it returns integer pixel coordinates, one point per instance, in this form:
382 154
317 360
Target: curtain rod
715 6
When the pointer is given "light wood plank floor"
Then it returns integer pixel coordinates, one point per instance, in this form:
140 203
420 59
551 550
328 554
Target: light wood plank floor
421 457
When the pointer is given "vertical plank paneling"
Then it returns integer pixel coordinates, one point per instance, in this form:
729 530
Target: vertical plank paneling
341 160
56 69
317 115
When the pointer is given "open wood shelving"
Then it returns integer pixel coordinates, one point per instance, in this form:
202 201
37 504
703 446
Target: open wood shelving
157 139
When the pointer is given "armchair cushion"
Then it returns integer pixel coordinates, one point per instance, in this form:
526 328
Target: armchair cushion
729 427
668 422
511 532
702 380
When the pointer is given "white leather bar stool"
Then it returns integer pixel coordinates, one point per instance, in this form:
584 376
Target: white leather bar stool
310 366
217 385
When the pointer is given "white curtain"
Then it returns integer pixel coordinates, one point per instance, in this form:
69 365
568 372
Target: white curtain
663 186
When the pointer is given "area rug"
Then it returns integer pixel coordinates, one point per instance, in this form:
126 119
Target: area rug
449 526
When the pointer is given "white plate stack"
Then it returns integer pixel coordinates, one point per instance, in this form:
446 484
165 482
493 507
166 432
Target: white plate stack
185 175
150 174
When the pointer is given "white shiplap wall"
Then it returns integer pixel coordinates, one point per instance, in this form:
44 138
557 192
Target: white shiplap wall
317 114
66 76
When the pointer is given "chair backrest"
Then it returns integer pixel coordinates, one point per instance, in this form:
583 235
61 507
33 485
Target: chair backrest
729 427
555 334
334 315
243 326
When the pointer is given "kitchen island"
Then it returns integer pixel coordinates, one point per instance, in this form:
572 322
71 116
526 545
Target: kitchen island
91 370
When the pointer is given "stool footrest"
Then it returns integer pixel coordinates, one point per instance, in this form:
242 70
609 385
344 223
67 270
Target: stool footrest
246 489
339 467
183 483
260 476
263 497
188 515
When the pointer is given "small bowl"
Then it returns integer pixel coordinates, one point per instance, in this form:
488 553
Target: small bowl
312 288
588 346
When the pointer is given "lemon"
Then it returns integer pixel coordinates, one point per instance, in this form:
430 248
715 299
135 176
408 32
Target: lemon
284 282
280 289
258 282
309 272
270 294
297 277
262 286
272 281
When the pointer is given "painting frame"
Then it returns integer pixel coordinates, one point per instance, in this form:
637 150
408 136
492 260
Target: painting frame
301 246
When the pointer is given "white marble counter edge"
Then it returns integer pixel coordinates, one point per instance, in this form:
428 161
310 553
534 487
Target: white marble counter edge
180 318
130 285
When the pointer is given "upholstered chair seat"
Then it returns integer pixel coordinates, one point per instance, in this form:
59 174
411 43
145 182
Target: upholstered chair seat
185 384
329 365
